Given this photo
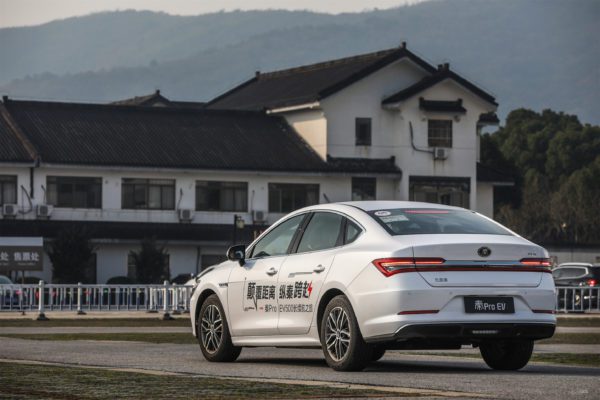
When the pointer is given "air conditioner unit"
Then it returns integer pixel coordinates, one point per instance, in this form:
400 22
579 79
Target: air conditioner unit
259 216
43 211
186 215
440 153
9 210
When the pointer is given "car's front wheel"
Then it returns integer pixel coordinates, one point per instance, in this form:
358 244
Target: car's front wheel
342 342
213 333
506 355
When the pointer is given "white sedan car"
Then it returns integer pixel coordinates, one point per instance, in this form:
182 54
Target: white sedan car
359 278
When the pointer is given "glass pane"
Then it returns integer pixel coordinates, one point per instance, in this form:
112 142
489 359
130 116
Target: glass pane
403 221
322 232
352 232
168 198
278 240
139 195
154 197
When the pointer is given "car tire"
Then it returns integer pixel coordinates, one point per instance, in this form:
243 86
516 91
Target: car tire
506 355
378 353
343 345
213 332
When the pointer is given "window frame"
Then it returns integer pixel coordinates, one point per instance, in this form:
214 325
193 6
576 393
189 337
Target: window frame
339 240
221 191
272 186
72 181
439 140
145 182
7 180
360 122
250 250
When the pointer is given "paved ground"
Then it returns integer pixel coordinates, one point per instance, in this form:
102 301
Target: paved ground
537 381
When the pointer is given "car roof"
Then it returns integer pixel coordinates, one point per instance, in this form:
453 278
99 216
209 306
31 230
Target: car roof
574 264
389 204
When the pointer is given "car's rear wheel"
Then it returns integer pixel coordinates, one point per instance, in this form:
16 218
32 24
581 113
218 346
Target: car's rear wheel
213 333
342 342
506 355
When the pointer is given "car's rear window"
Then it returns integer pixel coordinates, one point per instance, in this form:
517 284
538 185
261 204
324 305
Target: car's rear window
419 221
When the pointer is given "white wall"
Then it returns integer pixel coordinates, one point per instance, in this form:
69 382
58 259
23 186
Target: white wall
391 128
485 199
312 126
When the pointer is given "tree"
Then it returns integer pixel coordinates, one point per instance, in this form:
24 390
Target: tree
70 253
151 262
556 163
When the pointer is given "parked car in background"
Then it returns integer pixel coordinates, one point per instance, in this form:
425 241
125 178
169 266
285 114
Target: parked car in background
183 279
9 293
582 275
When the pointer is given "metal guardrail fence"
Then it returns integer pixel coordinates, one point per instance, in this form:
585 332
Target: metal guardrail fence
174 299
167 298
578 299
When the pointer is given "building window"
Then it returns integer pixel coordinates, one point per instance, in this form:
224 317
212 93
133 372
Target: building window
74 192
286 197
448 191
150 194
363 131
364 189
439 133
221 196
8 189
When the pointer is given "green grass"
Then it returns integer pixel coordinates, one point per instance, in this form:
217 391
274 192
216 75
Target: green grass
177 338
96 322
578 321
572 338
24 381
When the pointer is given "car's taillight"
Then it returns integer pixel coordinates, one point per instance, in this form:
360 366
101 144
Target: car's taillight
591 282
536 262
392 266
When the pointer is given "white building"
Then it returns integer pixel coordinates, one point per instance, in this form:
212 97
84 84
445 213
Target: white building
384 125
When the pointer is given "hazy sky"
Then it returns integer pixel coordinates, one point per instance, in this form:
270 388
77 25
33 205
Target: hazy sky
33 12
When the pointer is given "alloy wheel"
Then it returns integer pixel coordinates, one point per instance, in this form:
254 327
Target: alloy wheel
211 328
337 333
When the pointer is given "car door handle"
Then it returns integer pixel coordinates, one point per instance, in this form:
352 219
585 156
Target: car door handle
319 268
271 271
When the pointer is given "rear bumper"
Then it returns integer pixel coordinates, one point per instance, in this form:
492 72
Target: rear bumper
465 333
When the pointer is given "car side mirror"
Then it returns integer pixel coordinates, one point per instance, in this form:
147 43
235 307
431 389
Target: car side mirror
237 253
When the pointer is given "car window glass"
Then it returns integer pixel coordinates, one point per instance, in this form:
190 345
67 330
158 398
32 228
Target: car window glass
322 232
419 221
277 242
352 232
573 272
557 273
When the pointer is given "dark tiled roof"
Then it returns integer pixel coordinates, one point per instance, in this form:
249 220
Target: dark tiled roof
12 147
95 134
157 99
308 83
489 174
365 165
489 119
130 230
443 72
442 106
147 100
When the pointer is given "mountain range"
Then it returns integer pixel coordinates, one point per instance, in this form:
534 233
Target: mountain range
529 53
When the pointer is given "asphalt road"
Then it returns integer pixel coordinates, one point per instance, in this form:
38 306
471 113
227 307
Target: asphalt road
536 381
